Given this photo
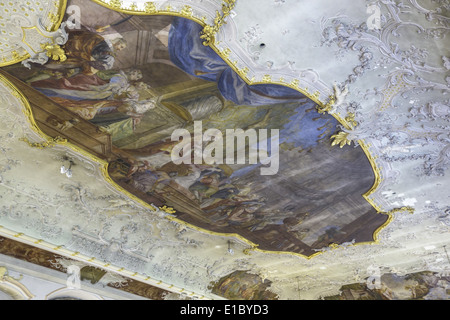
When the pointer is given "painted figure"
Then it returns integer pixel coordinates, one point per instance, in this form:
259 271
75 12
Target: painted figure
89 52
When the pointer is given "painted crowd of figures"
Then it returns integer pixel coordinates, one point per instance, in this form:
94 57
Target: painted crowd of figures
88 85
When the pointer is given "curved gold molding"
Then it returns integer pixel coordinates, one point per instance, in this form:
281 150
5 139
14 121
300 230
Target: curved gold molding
322 106
53 141
13 287
72 293
150 9
55 22
47 144
26 109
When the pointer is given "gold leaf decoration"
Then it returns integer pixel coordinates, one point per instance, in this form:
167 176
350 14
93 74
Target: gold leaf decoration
168 209
410 210
328 106
340 139
226 52
54 51
350 119
295 83
267 78
187 11
150 7
243 72
54 19
115 4
48 144
208 33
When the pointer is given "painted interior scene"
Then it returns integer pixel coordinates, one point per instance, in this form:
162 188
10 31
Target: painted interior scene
133 80
426 285
242 285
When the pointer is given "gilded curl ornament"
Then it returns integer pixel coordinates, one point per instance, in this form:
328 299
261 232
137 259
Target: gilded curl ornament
209 31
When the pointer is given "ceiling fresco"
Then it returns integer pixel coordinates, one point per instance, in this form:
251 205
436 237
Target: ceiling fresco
140 78
117 121
417 286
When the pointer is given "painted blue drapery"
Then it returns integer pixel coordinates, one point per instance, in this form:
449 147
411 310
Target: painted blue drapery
189 54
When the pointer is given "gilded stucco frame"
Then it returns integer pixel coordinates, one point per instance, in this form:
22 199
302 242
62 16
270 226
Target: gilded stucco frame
208 35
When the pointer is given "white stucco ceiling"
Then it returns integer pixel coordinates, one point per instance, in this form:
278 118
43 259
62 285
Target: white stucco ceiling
398 84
